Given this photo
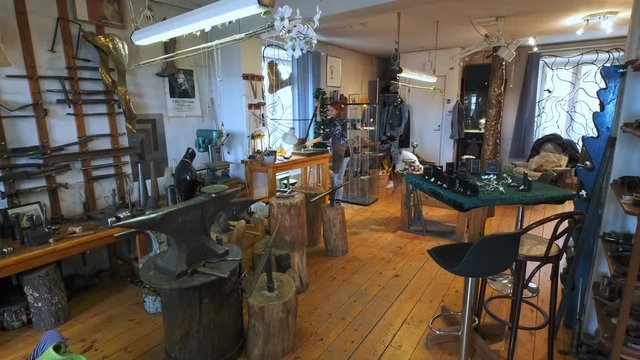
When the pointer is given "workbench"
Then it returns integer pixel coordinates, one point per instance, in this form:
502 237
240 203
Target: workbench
27 257
271 169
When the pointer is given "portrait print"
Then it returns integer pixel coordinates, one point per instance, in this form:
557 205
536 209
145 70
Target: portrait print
104 12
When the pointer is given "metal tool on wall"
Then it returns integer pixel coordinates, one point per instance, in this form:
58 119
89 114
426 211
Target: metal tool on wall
24 175
77 46
32 190
103 166
89 154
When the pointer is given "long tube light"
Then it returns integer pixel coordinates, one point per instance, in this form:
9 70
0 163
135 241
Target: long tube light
415 75
205 17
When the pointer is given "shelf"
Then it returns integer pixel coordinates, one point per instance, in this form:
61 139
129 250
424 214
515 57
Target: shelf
628 208
630 129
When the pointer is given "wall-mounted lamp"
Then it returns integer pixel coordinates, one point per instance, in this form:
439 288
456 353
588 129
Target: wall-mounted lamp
533 42
219 12
605 19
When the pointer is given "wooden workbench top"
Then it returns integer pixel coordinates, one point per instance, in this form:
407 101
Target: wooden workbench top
27 257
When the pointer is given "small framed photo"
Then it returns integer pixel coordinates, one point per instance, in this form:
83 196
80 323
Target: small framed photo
34 208
354 98
334 71
493 167
102 12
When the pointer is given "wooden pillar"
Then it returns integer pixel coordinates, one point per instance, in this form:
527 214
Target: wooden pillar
334 229
272 319
493 124
290 215
47 296
31 70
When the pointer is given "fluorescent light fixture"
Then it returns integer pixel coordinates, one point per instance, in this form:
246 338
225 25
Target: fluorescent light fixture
219 12
415 75
584 26
532 41
607 25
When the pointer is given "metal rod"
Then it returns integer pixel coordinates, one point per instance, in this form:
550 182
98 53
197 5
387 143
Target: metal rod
102 166
520 217
195 50
91 154
467 318
96 114
52 77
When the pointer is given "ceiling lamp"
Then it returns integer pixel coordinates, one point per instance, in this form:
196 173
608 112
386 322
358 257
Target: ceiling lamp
507 48
219 12
605 19
508 51
416 75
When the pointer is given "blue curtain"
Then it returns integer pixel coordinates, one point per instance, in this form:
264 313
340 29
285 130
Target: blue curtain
523 131
305 79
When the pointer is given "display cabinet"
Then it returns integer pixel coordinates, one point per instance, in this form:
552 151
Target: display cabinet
363 168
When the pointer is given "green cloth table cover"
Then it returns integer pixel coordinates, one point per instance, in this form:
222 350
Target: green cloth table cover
540 194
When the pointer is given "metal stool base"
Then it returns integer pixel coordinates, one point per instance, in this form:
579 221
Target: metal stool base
544 314
449 331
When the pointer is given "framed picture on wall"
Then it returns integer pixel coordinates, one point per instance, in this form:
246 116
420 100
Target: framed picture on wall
334 71
102 12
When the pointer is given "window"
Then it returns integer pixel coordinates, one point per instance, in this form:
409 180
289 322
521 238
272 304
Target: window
567 94
279 95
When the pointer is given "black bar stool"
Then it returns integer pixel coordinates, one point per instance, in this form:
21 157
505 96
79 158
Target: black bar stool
544 251
490 255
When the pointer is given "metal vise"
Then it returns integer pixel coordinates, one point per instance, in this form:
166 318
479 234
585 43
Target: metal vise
187 227
37 236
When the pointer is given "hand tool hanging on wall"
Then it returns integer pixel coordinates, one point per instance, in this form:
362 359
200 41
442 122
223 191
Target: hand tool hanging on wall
105 176
21 107
86 68
52 77
80 92
86 101
102 166
82 155
55 36
96 114
24 175
22 166
31 190
40 150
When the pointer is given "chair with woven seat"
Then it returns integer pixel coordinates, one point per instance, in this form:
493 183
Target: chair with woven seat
544 251
490 255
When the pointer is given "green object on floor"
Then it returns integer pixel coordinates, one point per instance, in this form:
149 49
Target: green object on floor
60 352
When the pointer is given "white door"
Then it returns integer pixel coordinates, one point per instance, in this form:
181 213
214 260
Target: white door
426 111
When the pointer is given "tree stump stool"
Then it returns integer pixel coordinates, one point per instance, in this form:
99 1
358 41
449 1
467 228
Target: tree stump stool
290 262
290 215
272 319
314 213
334 229
46 295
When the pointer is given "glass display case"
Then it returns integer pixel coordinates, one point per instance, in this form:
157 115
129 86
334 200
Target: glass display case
362 170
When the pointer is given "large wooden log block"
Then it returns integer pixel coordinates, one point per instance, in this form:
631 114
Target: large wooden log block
272 319
291 262
334 229
204 321
290 215
314 213
47 296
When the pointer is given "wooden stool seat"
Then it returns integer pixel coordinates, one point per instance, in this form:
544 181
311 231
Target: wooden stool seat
535 246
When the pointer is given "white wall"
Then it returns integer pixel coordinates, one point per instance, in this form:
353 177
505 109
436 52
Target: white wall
357 69
146 89
448 72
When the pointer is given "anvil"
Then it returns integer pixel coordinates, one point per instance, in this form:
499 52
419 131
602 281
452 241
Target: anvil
187 227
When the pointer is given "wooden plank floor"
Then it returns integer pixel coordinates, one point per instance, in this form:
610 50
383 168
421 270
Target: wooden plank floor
374 303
